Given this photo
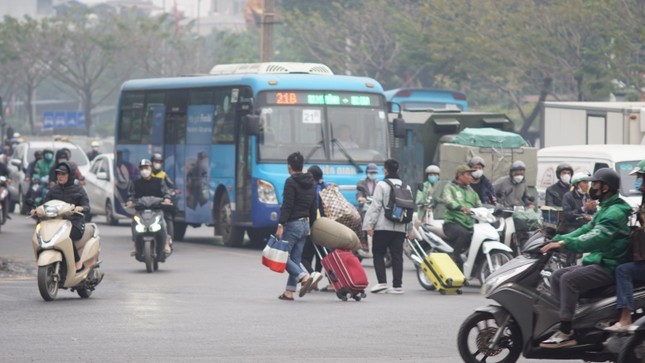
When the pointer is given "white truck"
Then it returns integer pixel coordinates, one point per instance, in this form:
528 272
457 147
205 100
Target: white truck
578 123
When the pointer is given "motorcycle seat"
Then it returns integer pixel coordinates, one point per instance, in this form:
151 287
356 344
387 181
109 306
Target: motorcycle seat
90 229
436 229
592 295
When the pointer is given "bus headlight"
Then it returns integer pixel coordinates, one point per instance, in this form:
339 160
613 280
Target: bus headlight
266 192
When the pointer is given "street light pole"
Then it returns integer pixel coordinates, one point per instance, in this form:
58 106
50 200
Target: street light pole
266 34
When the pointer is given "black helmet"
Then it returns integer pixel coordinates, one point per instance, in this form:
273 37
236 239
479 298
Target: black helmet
38 154
156 157
606 176
562 167
145 162
518 165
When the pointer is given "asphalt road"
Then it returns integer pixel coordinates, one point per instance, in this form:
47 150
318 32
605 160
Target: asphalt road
213 303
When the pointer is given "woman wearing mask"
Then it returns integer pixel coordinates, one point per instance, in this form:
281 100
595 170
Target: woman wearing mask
578 209
424 193
481 184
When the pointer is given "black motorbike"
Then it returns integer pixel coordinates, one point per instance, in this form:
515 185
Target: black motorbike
526 314
147 227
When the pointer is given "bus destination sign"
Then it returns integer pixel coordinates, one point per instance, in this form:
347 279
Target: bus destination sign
322 99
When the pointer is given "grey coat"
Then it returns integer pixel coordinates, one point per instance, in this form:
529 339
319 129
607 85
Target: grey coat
510 194
375 215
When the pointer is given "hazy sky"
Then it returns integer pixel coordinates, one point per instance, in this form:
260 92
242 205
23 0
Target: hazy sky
187 6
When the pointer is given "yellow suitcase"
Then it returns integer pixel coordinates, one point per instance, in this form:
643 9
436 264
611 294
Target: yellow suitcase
441 270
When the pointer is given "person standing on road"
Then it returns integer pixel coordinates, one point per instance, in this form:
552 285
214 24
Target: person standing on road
556 192
606 238
297 213
460 198
385 233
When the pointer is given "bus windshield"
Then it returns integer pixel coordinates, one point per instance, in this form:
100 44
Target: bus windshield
323 133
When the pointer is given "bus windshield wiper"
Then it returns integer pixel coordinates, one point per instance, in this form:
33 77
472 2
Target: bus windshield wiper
349 157
313 151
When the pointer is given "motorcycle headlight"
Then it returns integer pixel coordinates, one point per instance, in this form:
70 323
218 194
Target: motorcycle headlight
139 227
155 226
266 192
51 211
502 276
62 232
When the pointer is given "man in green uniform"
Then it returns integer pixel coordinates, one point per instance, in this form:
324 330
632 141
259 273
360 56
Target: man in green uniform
606 238
459 198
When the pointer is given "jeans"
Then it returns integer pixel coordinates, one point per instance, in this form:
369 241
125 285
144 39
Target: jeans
381 241
625 276
567 283
295 232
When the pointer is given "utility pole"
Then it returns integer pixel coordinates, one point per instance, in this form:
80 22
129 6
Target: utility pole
266 31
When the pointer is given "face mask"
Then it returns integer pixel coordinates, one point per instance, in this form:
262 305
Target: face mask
638 183
433 179
565 178
156 166
596 194
518 178
580 191
477 174
48 157
144 173
372 176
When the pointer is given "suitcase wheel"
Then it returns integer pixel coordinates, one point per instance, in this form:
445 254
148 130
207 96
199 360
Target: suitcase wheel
342 295
358 297
459 292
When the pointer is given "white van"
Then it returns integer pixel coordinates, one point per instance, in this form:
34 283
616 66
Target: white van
589 158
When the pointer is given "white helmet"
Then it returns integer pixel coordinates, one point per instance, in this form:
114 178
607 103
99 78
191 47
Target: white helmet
577 177
433 169
95 144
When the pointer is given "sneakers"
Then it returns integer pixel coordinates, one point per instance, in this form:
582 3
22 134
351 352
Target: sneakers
378 288
617 328
559 340
395 291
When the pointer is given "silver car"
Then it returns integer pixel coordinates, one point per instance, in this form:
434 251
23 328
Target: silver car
99 185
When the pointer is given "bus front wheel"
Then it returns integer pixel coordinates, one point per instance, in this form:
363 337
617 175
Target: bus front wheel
231 236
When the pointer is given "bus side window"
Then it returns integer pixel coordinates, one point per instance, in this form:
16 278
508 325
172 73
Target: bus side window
131 118
225 115
175 121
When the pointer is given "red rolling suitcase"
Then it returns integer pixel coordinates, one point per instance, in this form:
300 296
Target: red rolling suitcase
346 273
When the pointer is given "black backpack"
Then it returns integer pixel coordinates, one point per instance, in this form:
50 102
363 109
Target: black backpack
400 207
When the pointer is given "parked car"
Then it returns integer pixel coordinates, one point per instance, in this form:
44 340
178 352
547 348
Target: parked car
99 184
23 154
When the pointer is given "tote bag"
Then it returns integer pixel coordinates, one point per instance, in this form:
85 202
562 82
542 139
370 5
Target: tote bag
275 254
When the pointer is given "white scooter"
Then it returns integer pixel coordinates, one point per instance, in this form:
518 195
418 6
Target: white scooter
55 254
486 253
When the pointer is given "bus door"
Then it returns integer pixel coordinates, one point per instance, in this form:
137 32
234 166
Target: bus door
243 181
174 132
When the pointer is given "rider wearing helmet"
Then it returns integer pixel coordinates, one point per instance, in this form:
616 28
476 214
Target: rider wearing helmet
95 150
577 209
365 187
606 240
639 183
512 190
555 192
145 186
481 184
424 191
157 171
43 166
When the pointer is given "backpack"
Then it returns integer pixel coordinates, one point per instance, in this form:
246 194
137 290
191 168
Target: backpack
400 207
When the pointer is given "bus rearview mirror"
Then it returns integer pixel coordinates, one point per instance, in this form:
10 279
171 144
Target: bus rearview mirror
252 125
398 126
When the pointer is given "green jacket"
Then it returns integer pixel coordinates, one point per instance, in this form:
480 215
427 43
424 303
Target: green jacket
606 237
421 198
42 168
456 196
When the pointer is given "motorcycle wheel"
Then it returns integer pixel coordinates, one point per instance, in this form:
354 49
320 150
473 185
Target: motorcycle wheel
498 258
147 256
47 282
424 281
476 333
634 349
84 293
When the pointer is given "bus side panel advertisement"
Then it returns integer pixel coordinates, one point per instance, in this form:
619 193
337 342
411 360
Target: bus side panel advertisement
199 131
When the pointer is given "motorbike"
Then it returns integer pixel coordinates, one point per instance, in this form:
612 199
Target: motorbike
525 315
4 194
486 253
36 193
147 233
55 254
429 242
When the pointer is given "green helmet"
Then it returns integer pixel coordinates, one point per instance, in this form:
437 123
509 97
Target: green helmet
639 169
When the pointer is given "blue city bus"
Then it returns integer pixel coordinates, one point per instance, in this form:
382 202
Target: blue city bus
225 138
425 98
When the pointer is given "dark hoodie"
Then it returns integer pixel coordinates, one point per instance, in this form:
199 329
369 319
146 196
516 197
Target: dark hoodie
62 154
299 198
70 193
